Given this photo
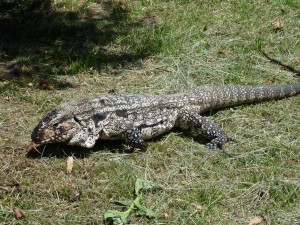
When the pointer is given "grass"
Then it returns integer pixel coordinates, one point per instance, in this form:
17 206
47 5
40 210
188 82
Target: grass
54 52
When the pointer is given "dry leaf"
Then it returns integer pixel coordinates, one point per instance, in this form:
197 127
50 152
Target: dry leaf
9 187
183 182
256 220
278 25
225 52
198 208
30 84
6 188
288 175
166 215
69 164
45 85
75 195
19 214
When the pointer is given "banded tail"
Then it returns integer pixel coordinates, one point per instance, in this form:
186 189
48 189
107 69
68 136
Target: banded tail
223 96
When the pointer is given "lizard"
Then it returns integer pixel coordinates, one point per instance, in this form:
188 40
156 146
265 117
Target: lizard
135 118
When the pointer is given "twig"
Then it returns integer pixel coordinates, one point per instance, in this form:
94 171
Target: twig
288 67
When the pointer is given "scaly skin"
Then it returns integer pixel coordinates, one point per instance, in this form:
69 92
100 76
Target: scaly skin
137 117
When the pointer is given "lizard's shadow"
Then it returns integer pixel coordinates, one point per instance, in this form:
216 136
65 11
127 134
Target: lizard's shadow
61 150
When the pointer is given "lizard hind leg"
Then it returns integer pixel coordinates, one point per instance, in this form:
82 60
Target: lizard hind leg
214 133
204 126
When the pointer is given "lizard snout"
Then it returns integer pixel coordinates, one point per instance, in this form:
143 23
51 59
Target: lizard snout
35 135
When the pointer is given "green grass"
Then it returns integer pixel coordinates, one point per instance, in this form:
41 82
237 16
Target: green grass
71 49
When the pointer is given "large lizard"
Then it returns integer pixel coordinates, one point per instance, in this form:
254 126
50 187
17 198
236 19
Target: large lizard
137 117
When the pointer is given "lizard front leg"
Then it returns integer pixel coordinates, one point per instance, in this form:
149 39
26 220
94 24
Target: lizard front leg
134 138
204 126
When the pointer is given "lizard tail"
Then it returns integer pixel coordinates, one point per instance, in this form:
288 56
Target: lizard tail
236 95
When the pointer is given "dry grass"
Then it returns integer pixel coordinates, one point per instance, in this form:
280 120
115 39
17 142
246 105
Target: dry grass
94 47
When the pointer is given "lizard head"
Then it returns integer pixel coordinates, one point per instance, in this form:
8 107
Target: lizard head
68 123
55 127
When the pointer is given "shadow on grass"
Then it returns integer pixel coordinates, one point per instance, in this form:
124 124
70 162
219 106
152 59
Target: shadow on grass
42 40
61 150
